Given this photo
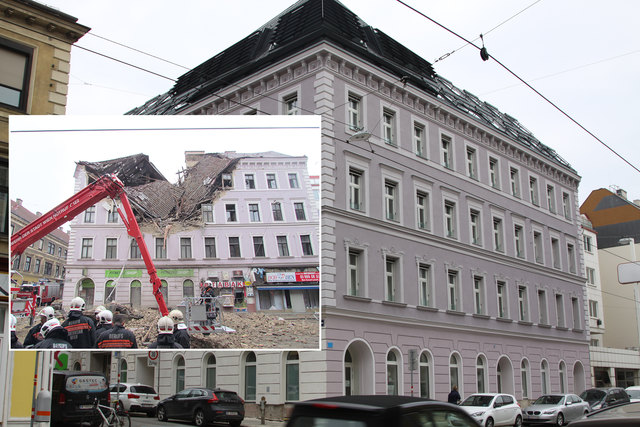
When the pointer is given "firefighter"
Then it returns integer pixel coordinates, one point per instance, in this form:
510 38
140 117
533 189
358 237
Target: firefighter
15 343
96 312
118 336
34 336
105 322
81 328
180 330
55 336
165 335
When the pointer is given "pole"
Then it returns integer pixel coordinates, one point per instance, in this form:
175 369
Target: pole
35 384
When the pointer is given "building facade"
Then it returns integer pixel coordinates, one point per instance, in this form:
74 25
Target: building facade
255 238
450 235
43 260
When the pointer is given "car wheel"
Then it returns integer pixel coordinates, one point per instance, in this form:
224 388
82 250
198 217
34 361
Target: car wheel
198 418
489 422
518 421
162 414
560 419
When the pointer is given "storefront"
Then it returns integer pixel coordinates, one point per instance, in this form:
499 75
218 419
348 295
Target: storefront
289 290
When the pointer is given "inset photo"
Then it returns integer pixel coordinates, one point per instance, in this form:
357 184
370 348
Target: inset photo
178 232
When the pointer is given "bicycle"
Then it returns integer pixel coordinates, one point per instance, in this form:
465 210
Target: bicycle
113 417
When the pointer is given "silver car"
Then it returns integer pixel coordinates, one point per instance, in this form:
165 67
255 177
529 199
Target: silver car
557 409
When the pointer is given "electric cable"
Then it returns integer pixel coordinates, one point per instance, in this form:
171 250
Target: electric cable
529 86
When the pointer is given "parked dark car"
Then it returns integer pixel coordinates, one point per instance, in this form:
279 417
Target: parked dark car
203 406
73 396
623 415
377 411
599 398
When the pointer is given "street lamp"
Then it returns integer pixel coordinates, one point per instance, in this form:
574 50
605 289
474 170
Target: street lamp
636 286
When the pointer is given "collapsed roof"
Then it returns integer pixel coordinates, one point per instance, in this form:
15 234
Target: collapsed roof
310 21
156 200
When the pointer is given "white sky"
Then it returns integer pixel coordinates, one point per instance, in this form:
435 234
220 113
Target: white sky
43 160
582 54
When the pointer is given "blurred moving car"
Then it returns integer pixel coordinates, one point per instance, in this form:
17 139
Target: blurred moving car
493 409
203 406
599 398
377 411
555 409
623 415
135 397
633 392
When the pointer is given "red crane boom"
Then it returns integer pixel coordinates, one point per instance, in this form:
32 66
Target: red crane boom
105 186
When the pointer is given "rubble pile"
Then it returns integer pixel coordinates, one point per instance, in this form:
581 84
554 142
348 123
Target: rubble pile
252 330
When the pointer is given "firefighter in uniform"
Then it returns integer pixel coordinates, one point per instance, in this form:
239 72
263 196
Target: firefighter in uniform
81 328
165 335
34 336
15 343
105 322
118 336
96 312
180 330
55 336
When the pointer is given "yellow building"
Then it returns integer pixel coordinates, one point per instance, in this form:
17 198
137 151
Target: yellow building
35 55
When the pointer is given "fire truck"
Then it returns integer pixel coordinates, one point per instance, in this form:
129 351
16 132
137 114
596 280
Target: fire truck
106 186
45 292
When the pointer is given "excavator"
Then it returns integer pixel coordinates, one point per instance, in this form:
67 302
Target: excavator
106 186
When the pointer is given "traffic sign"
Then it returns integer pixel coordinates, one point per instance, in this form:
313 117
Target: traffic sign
629 272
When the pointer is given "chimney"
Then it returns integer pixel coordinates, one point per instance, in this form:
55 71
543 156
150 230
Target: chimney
19 202
192 157
38 214
622 193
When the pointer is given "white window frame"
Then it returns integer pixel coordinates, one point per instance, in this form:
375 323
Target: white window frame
556 257
285 102
361 269
361 124
551 198
106 247
566 205
479 294
296 180
571 257
253 180
523 302
425 285
391 202
576 312
390 126
454 297
419 137
362 167
190 247
392 281
534 190
275 180
82 246
498 233
494 173
226 213
423 209
264 247
561 315
543 307
471 164
514 181
447 150
206 210
502 298
538 246
475 226
302 244
305 216
250 212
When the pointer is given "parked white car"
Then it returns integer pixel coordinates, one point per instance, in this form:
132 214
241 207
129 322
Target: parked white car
633 392
493 409
135 397
557 409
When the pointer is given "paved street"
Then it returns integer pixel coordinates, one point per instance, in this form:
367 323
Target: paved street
139 420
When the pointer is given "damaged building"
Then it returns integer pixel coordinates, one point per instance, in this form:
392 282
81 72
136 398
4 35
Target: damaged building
247 223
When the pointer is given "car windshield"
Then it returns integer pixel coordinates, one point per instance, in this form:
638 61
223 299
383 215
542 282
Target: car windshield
548 400
592 395
142 389
634 394
477 401
226 395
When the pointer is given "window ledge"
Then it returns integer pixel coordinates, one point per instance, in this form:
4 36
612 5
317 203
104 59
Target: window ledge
286 256
457 313
544 325
427 308
135 259
215 258
481 316
525 323
578 330
186 259
562 328
356 298
504 319
394 303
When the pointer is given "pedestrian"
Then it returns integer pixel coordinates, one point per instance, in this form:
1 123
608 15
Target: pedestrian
34 336
105 322
118 336
55 336
165 335
15 343
180 330
81 328
454 396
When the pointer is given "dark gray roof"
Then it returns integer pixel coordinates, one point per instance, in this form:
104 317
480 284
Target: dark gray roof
310 21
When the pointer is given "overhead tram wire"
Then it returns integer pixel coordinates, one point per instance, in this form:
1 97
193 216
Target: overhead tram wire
446 55
527 84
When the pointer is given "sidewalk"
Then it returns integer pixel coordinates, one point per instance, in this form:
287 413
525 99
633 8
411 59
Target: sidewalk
256 422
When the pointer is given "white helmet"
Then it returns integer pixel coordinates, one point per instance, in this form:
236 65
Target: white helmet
105 316
47 312
177 316
49 326
12 323
98 309
77 304
165 325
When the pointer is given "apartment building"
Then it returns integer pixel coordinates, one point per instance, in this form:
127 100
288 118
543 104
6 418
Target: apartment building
450 234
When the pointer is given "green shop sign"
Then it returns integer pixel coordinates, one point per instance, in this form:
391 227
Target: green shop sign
114 274
175 272
133 273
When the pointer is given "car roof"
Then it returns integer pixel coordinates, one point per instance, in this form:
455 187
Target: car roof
379 402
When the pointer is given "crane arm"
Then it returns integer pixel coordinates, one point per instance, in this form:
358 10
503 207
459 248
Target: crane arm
105 186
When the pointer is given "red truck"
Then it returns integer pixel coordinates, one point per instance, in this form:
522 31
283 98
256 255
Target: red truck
105 186
45 292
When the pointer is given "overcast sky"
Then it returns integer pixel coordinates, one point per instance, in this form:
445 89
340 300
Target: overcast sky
45 149
582 54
